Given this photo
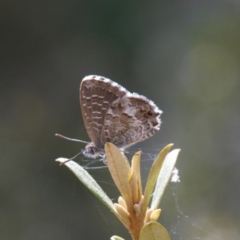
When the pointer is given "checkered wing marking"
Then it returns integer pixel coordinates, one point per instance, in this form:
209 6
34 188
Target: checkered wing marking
96 95
131 119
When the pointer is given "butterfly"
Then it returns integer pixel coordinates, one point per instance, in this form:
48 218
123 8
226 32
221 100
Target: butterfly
113 114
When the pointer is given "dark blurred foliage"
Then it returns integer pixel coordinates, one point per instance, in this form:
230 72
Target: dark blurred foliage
184 55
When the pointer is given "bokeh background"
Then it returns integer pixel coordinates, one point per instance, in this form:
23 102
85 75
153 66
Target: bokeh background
184 55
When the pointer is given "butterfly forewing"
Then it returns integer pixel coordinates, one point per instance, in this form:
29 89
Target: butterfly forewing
96 96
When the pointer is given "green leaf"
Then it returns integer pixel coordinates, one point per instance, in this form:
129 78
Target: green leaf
163 177
153 175
154 231
116 238
89 182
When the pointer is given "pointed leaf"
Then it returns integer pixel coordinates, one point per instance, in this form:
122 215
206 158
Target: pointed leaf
89 182
164 176
123 215
135 180
120 172
152 177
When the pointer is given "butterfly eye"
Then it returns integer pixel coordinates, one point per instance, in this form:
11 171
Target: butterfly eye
149 114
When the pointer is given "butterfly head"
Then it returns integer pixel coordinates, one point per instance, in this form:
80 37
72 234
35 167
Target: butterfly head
92 151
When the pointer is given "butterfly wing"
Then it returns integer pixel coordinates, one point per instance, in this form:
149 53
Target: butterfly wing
96 97
131 119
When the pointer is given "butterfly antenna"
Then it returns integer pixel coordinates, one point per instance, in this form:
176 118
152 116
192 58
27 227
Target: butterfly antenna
62 163
70 139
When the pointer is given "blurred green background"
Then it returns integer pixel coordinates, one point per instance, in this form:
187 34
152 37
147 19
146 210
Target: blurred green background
184 55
